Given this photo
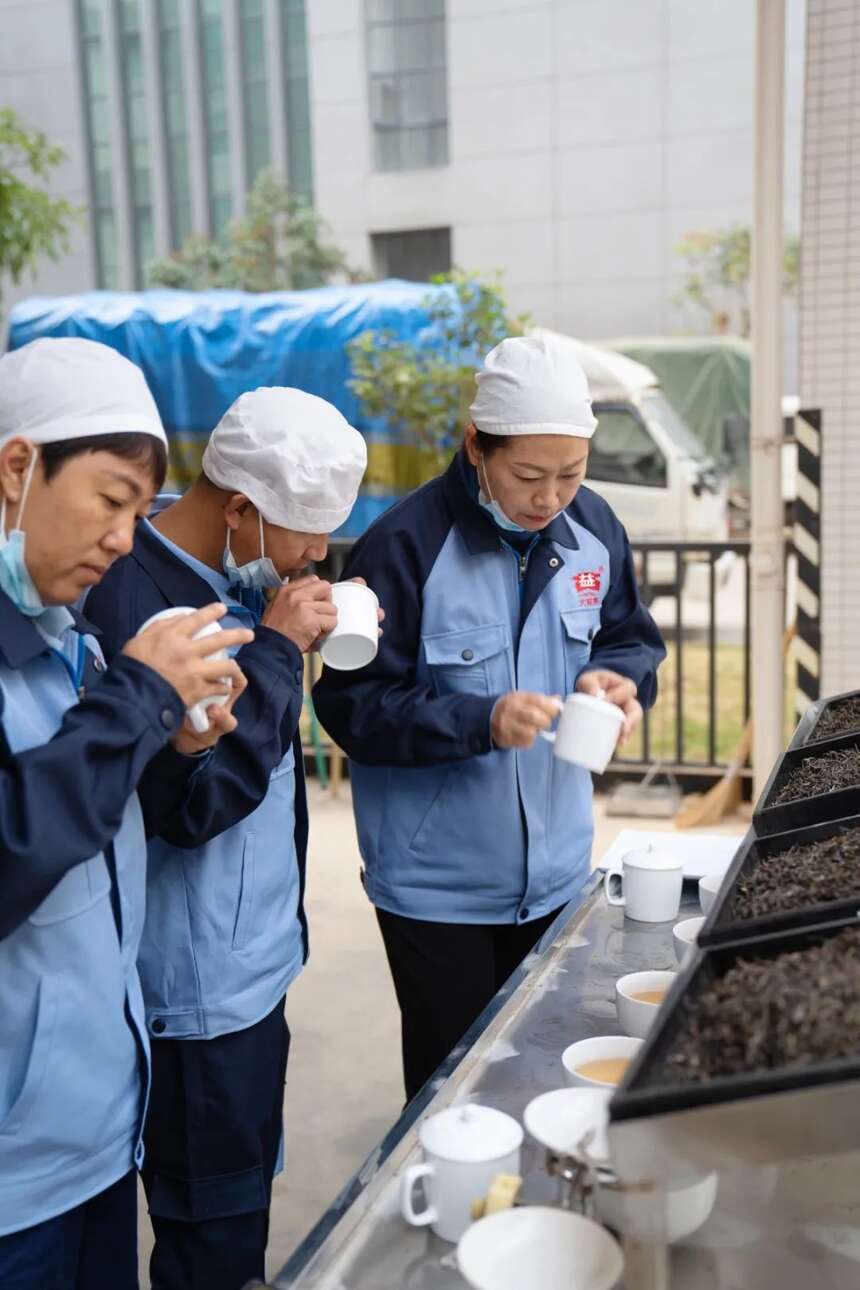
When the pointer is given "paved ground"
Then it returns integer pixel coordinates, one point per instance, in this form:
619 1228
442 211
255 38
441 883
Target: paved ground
344 1086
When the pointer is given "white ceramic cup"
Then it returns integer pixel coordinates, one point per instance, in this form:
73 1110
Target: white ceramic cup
570 1121
636 1016
197 714
588 732
601 1048
708 889
464 1147
651 883
685 935
535 1246
354 641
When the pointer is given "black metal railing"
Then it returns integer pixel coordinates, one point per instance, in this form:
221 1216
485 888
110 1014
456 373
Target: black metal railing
704 690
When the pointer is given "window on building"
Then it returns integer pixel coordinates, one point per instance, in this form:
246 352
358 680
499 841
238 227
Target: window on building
137 135
98 129
175 121
297 96
415 255
254 88
407 66
215 114
622 450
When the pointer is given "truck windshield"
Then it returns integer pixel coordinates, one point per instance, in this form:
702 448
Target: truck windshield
655 404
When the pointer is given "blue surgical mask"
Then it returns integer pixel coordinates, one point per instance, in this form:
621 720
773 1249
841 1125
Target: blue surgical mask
256 574
492 507
14 575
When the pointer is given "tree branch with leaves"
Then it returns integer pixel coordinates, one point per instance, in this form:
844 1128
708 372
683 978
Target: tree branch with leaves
33 224
718 275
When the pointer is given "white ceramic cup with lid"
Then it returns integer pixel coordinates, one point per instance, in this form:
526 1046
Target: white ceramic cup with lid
651 883
464 1147
197 714
354 642
588 731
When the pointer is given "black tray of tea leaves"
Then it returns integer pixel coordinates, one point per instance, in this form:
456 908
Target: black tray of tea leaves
828 718
788 881
811 785
747 1019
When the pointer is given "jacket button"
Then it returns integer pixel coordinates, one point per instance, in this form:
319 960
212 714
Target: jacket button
523 915
159 1026
299 676
99 664
467 655
554 562
167 719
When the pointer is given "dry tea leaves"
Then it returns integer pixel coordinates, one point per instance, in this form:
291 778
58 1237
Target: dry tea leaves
838 719
839 768
813 874
796 1009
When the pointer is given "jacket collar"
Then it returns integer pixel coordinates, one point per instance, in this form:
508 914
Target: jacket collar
480 534
179 584
20 642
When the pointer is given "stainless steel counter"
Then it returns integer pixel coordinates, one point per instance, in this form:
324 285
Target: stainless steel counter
564 991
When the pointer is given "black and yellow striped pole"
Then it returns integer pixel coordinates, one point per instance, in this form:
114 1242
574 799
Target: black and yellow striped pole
807 546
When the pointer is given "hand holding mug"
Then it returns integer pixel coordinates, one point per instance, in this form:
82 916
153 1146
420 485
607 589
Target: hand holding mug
617 689
519 716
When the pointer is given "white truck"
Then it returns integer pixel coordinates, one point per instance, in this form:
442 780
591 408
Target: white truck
648 465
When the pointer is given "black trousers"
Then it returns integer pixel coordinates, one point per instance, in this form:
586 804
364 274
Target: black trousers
445 974
90 1247
212 1139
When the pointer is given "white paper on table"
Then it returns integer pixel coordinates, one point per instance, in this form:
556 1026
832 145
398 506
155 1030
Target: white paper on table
704 854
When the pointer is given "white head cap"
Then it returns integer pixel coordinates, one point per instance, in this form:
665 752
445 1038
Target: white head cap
61 388
292 454
533 385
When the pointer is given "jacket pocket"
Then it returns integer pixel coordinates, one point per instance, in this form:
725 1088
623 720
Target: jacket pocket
579 627
83 886
474 661
245 906
37 1061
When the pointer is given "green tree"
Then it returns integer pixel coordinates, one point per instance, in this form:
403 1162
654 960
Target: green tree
718 275
424 388
280 244
33 224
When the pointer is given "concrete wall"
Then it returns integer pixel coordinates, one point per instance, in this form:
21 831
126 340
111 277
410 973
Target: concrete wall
39 79
586 138
830 317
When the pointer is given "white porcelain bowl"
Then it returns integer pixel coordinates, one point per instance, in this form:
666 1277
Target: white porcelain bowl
635 1016
684 936
708 889
687 1208
592 1050
540 1248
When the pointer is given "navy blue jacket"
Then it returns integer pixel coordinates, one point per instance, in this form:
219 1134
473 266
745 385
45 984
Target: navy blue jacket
226 929
450 828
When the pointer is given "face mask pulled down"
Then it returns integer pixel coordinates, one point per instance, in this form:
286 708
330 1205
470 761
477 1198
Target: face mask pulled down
15 577
256 574
492 507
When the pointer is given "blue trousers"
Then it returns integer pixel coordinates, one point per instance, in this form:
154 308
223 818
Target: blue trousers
212 1138
91 1247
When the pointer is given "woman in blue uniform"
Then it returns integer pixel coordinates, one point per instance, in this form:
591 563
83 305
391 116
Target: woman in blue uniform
506 584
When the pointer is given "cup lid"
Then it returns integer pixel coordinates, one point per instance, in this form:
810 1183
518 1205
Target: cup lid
651 858
591 703
470 1133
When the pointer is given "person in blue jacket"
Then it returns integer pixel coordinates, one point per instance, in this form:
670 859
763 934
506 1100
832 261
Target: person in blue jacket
89 756
506 584
225 931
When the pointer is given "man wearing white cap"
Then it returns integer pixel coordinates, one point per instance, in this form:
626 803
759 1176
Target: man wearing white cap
87 754
507 584
225 933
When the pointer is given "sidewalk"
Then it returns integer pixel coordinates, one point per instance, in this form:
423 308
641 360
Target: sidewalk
344 1084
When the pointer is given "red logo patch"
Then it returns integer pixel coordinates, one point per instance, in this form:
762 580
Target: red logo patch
587 583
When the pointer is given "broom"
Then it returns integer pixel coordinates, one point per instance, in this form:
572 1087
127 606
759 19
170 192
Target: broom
707 810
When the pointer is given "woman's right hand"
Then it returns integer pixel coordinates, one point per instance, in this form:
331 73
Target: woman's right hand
519 716
170 650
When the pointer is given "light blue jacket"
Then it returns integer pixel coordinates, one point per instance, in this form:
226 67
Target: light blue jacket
450 828
73 1045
